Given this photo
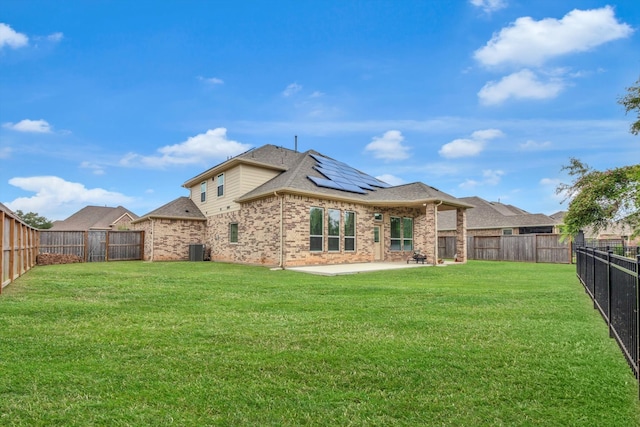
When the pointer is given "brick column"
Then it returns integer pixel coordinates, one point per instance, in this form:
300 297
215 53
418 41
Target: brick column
461 235
431 234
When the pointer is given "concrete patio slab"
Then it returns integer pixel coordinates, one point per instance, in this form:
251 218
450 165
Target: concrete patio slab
338 269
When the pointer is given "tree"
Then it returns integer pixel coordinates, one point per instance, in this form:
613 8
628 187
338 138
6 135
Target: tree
600 199
34 220
632 102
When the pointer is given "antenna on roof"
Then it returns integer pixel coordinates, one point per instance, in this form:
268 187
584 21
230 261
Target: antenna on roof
296 142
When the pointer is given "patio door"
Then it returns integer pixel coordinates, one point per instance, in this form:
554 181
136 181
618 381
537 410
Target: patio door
377 243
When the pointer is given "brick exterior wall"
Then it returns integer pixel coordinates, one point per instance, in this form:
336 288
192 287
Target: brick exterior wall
260 238
169 239
258 234
461 238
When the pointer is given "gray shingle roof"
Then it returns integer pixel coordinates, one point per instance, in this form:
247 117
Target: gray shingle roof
93 218
299 166
180 208
494 215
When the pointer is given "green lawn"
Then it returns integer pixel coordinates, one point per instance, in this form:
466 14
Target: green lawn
193 344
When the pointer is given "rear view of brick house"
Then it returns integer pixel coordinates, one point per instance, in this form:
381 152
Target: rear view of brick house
278 207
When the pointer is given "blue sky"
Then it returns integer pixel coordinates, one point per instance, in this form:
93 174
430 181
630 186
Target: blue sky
120 102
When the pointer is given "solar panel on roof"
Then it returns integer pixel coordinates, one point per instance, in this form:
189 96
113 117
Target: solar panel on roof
341 176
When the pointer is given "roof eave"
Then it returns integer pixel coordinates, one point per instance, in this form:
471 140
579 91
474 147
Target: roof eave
228 165
396 203
146 217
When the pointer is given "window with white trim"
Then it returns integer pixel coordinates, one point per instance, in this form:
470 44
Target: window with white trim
396 233
401 234
203 191
221 185
349 231
316 229
334 230
407 234
233 232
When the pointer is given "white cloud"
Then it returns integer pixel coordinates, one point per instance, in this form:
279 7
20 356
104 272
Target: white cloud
292 89
531 43
26 125
390 179
523 84
316 94
55 37
492 177
531 145
469 184
489 177
553 183
487 134
468 147
211 80
94 167
489 5
461 148
57 198
10 37
204 147
388 146
550 181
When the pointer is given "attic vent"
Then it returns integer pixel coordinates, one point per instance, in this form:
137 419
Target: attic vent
186 210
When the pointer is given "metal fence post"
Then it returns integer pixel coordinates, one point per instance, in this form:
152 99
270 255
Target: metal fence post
638 318
609 253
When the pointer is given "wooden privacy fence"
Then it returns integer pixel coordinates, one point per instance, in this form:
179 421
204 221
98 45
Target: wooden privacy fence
94 245
546 248
19 248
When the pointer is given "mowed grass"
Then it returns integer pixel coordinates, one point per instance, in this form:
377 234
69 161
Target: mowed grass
195 344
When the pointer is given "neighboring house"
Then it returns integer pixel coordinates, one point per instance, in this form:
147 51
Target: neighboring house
620 231
97 218
275 206
497 219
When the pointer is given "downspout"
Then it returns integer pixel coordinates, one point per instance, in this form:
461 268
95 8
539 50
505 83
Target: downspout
153 238
281 252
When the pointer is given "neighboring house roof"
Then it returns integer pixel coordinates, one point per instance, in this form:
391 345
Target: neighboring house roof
299 169
180 208
486 215
93 218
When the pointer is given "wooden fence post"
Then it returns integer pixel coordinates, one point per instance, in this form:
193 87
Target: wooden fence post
12 252
1 250
86 246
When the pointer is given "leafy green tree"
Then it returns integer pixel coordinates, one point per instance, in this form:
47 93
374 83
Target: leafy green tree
631 102
34 220
601 198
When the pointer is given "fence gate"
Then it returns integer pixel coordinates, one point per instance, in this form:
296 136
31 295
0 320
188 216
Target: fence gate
97 246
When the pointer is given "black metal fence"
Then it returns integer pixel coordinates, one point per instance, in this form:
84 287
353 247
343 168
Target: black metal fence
612 282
